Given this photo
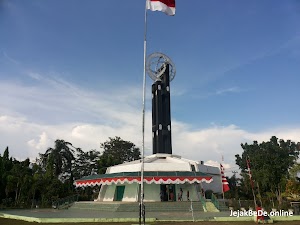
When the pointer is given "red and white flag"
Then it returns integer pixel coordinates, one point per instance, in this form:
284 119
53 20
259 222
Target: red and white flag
224 180
166 6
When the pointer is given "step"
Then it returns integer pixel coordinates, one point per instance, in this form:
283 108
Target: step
96 206
134 206
223 207
210 207
168 207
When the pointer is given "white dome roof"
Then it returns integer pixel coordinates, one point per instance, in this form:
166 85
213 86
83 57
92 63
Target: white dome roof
157 162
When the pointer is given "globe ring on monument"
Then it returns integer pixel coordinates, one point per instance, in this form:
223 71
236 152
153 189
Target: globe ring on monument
156 66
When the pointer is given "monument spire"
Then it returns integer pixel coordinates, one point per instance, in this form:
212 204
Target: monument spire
162 71
161 115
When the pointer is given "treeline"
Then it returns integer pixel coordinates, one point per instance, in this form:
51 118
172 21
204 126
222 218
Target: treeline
273 165
273 179
51 176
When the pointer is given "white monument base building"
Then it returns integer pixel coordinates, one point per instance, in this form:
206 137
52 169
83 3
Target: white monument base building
167 177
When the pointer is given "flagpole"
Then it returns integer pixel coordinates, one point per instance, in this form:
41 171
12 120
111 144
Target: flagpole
142 212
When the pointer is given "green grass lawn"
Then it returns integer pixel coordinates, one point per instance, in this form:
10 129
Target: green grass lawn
20 222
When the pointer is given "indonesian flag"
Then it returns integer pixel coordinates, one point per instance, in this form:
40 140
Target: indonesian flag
166 6
224 180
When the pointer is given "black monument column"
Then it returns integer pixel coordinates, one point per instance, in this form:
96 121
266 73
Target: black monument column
161 114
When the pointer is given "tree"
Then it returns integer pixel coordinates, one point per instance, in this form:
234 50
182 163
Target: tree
270 164
16 180
57 161
292 190
86 163
6 161
19 180
23 183
2 183
233 185
295 171
6 166
117 151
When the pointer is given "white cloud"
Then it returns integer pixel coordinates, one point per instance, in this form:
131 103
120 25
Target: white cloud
210 144
228 90
42 143
217 164
35 76
10 59
33 117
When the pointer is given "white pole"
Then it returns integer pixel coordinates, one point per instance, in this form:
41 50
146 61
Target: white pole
143 122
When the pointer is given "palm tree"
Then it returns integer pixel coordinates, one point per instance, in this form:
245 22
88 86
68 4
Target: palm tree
57 161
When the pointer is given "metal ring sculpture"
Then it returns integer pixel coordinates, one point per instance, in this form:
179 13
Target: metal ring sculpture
156 66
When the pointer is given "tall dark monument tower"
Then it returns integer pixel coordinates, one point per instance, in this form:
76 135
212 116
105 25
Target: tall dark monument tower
161 114
162 71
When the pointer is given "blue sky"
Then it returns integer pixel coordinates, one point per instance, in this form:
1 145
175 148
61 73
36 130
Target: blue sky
73 70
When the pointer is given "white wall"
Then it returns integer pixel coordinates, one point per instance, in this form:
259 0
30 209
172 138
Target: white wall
110 193
208 169
186 187
102 193
152 192
215 185
130 193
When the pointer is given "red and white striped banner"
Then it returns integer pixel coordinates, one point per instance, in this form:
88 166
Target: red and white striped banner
225 184
148 180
